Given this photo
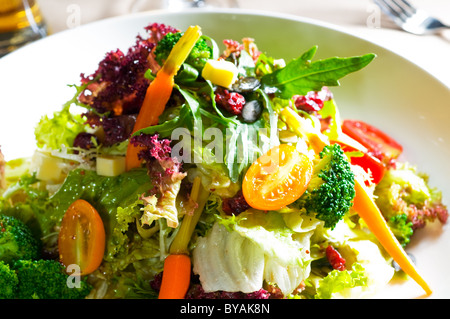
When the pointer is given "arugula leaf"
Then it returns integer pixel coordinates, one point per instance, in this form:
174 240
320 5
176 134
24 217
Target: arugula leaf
301 75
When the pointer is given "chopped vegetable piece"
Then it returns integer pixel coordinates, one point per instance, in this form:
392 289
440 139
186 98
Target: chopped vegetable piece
369 212
110 165
81 239
49 168
220 72
277 178
160 89
377 142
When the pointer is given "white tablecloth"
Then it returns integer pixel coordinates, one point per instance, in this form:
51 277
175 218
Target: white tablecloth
360 17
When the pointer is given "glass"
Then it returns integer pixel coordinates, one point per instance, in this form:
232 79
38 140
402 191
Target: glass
21 22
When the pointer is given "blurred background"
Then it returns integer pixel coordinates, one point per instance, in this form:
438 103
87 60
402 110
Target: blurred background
360 17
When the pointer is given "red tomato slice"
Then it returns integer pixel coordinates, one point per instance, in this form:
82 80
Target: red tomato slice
277 178
81 239
376 141
368 162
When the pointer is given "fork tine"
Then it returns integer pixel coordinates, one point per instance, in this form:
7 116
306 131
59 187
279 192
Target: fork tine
409 6
392 8
387 8
409 18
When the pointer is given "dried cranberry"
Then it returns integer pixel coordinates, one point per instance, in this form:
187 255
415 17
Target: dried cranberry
233 102
335 258
312 101
235 205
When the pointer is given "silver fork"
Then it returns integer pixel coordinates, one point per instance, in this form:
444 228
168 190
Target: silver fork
409 18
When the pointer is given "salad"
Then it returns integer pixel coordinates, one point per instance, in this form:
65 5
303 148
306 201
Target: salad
182 170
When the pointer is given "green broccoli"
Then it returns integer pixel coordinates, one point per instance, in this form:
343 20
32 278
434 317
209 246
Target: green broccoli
332 188
197 58
8 281
401 227
407 201
47 279
17 241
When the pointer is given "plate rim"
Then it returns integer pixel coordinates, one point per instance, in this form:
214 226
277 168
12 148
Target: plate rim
229 11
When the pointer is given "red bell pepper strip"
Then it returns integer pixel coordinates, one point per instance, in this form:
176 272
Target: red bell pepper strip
378 143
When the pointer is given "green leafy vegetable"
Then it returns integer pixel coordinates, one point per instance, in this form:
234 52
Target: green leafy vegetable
250 248
337 281
66 123
301 75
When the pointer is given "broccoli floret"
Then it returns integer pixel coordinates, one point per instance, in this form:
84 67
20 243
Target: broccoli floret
407 201
401 227
47 279
197 58
17 241
8 281
332 188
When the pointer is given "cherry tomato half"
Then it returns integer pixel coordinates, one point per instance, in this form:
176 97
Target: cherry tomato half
81 239
377 142
277 178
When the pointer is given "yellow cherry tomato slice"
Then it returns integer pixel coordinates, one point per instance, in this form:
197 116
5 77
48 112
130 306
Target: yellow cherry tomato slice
277 178
81 240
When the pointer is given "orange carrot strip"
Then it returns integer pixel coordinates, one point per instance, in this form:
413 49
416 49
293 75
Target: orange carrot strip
160 89
176 277
370 213
177 266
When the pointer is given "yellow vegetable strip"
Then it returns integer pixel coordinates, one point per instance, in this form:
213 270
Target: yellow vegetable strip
370 213
294 121
181 241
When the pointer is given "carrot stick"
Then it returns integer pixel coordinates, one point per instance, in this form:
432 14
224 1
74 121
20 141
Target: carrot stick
160 89
370 213
177 266
176 277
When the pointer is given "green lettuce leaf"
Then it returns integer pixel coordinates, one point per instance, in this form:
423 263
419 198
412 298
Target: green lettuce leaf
67 124
337 281
242 252
62 127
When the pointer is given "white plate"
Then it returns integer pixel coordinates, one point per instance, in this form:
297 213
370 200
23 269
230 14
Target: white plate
391 93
